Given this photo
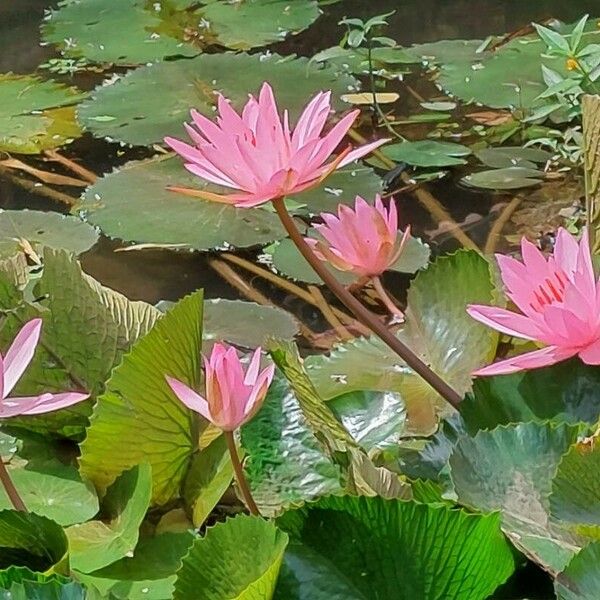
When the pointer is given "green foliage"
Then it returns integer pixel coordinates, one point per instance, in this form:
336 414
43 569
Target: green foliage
239 558
138 418
581 579
36 115
20 583
368 548
428 153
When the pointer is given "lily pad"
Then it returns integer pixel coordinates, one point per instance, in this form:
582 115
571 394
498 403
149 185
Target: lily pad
131 111
445 51
510 469
21 583
288 260
511 178
36 115
428 153
505 157
44 229
581 579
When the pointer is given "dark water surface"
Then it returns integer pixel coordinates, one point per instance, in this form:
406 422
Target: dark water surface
155 275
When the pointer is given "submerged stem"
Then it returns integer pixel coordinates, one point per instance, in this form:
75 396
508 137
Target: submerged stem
361 313
385 298
239 474
11 490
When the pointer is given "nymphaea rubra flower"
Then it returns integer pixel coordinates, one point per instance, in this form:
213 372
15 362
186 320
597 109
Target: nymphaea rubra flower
364 241
257 154
559 300
13 365
232 396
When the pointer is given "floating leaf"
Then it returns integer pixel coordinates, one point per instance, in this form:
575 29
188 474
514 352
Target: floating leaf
511 178
147 575
131 111
43 229
95 544
208 478
285 462
57 493
428 153
288 260
36 115
138 418
581 578
445 51
510 469
239 558
367 98
29 540
506 157
371 548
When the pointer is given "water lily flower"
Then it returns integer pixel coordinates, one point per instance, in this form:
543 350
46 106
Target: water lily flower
13 365
257 154
232 396
559 303
364 241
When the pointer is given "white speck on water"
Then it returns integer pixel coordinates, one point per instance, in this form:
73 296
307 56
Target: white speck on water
155 36
343 379
334 191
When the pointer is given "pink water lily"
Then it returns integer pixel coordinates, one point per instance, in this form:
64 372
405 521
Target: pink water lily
13 365
232 396
257 153
559 300
364 241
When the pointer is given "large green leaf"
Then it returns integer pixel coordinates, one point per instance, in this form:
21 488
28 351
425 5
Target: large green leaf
130 110
437 328
44 229
35 115
208 479
21 583
95 544
285 463
428 153
57 493
369 548
239 559
29 540
138 418
288 260
71 354
581 579
575 498
147 575
510 469
568 391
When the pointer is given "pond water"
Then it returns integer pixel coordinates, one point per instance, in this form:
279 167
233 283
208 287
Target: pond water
155 275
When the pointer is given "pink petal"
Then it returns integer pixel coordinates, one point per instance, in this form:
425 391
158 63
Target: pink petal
531 360
21 353
591 354
48 402
190 398
258 393
566 251
360 152
253 368
312 120
14 407
505 321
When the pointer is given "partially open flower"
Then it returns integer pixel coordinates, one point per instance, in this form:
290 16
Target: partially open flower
13 365
257 154
364 241
232 397
559 300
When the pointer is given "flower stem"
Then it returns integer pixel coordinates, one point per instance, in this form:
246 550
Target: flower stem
239 474
385 298
364 315
11 490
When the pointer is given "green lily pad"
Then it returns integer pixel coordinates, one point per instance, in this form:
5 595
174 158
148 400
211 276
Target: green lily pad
428 153
288 260
253 23
131 111
57 493
44 229
511 178
581 578
30 540
36 115
445 51
506 157
147 575
252 550
96 544
510 469
21 583
139 401
371 548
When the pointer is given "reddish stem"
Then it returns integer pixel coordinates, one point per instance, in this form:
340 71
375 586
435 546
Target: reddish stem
239 474
11 490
